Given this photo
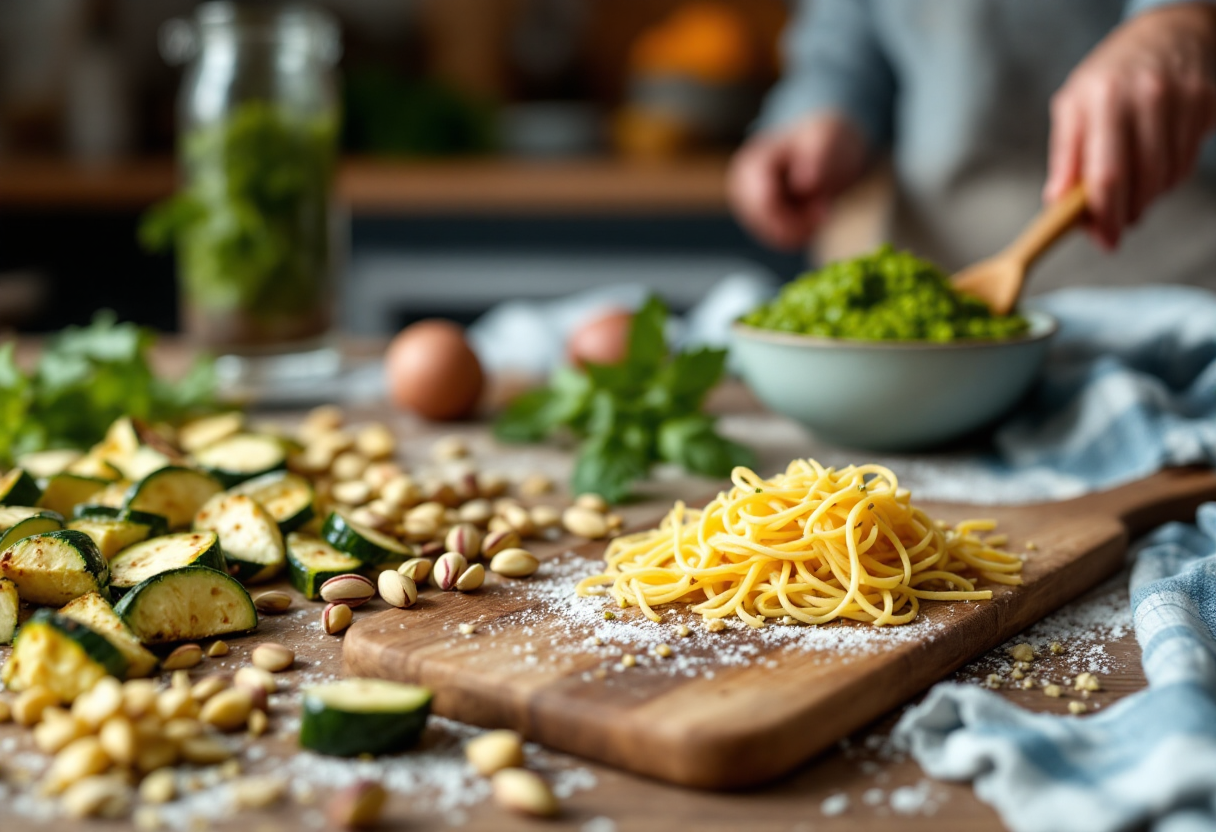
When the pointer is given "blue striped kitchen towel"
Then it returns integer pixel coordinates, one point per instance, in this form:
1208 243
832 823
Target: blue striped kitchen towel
1150 759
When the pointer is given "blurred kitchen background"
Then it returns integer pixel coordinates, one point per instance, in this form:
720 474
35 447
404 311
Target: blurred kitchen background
491 149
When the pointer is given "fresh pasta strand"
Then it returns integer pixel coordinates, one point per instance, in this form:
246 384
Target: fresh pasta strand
814 544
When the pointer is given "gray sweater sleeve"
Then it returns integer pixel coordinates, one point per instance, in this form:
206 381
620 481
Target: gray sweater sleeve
834 61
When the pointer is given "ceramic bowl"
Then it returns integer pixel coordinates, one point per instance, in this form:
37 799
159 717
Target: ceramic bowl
890 395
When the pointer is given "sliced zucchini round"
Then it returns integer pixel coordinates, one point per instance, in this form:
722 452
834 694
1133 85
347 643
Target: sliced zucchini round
363 716
95 612
186 604
17 522
46 464
62 655
199 433
242 457
368 545
10 606
137 563
252 542
288 497
157 524
64 492
174 493
18 488
311 562
54 567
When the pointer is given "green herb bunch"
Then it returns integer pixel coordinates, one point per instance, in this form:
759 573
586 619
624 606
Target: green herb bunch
86 377
629 415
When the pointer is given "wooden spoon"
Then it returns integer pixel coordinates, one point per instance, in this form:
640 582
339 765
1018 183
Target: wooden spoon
998 280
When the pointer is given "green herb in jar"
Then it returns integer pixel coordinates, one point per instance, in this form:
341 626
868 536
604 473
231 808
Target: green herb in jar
885 296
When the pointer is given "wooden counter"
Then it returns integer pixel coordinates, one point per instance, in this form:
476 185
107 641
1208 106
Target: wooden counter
596 187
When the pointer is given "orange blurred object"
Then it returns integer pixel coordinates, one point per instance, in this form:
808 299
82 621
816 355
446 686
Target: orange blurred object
603 340
431 369
707 41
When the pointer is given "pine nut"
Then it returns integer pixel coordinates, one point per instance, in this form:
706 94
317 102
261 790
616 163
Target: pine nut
448 570
217 649
471 578
335 618
78 759
29 705
376 441
352 590
592 502
258 722
255 678
534 485
117 738
180 730
100 703
228 709
349 465
495 750
390 512
138 697
256 792
205 751
208 687
514 563
401 491
180 679
545 517
324 418
52 735
155 753
6 711
449 448
364 516
397 590
464 538
358 806
272 602
417 569
174 703
496 542
273 657
523 791
584 522
184 657
158 787
106 796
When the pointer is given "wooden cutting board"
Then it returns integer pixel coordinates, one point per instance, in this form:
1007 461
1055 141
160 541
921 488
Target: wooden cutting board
523 668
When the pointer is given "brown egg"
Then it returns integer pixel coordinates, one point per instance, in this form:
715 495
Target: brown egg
432 371
603 340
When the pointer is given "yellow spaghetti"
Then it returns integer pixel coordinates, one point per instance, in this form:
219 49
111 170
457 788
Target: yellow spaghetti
814 544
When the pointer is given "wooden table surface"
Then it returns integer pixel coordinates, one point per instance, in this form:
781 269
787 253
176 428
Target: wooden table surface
865 769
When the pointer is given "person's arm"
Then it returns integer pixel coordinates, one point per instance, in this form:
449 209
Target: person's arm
818 127
1131 119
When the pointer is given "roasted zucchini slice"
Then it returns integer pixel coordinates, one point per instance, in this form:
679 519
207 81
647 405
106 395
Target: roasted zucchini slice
52 568
17 522
199 433
368 545
186 604
174 493
95 612
18 488
311 562
62 655
252 542
242 457
10 607
137 563
288 497
46 464
363 716
64 492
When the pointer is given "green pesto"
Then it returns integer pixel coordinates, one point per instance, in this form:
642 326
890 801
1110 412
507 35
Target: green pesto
884 296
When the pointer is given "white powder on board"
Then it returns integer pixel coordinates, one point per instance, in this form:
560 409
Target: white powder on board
834 805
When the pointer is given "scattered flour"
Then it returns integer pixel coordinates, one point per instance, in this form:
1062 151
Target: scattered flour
835 805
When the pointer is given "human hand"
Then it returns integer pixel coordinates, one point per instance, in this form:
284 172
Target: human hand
781 184
1131 118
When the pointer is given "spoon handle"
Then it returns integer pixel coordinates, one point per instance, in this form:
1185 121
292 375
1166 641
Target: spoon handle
1051 224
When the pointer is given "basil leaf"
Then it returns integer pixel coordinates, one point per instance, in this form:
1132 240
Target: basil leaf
608 466
693 443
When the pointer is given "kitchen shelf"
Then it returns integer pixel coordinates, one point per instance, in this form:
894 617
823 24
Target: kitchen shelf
588 187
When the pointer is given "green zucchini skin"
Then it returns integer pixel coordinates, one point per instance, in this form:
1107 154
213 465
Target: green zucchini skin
157 524
367 545
34 521
226 460
338 732
307 573
18 488
185 604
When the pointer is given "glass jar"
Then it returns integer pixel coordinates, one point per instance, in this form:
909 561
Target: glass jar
258 119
